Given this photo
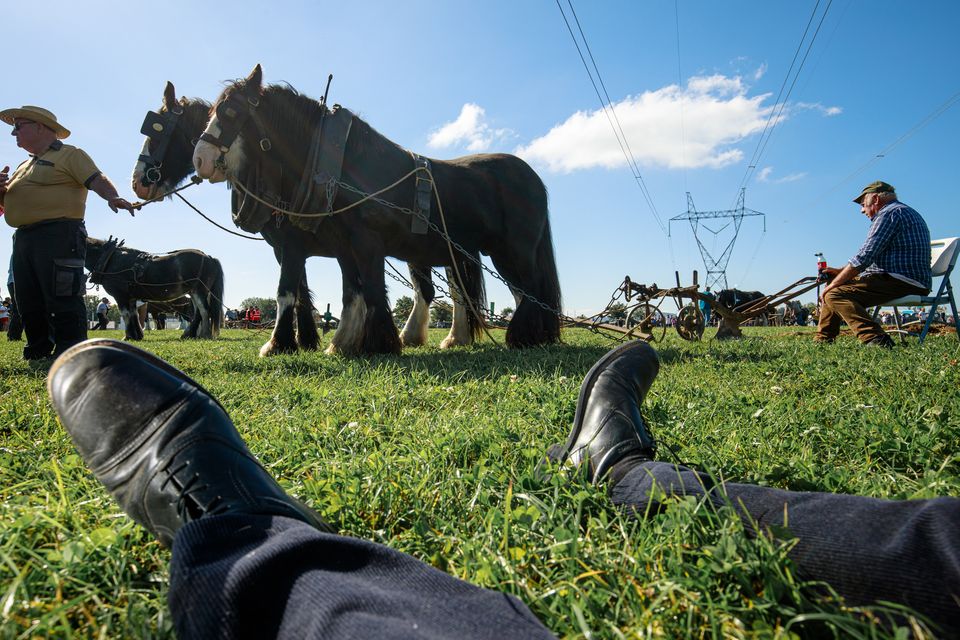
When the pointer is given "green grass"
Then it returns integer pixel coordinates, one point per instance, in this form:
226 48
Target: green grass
433 453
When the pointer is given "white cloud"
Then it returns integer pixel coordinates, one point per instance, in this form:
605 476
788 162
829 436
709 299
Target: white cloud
760 72
717 114
793 177
469 130
816 106
764 176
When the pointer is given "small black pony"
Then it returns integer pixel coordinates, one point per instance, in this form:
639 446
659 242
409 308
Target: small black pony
268 141
129 275
167 160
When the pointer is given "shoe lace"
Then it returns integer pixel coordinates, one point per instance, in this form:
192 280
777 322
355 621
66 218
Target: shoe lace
189 504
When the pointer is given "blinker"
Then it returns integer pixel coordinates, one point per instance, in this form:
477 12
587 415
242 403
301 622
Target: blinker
159 127
151 119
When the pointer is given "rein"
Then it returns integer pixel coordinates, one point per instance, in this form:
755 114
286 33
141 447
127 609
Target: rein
193 180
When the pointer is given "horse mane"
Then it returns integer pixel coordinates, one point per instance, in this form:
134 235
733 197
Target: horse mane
196 112
123 254
284 109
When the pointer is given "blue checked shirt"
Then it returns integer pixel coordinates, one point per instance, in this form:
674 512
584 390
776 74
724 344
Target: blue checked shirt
898 243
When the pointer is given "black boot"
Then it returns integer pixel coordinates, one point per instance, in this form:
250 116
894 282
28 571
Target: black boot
160 443
608 426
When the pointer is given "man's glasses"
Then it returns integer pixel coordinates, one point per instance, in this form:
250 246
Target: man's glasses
17 125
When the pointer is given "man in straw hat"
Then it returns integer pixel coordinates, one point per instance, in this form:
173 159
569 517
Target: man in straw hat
893 262
45 200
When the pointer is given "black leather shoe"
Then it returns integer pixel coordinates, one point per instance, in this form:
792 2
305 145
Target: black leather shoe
160 443
608 425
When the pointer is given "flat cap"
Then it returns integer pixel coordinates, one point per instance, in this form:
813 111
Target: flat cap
874 187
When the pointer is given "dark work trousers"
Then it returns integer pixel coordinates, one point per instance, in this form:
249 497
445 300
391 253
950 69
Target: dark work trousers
48 269
15 328
101 322
850 303
866 549
238 576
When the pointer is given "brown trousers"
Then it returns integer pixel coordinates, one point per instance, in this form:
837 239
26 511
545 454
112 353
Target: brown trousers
849 303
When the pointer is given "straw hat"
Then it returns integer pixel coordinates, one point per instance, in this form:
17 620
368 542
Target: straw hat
36 114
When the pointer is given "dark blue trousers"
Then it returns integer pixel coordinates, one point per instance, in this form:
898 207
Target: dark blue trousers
237 576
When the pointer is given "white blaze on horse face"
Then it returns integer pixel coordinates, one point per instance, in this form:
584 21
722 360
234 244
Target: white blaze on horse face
144 193
205 155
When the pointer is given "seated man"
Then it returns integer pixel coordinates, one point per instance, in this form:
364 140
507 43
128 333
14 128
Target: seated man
893 262
251 561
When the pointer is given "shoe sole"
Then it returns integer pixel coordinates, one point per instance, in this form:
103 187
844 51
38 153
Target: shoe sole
589 380
128 348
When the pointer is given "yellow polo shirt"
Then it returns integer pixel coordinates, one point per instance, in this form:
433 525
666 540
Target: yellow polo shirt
50 186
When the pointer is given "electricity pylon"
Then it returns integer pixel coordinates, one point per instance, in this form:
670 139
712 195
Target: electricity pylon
717 267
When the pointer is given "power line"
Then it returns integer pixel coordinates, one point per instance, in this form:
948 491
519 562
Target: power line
683 132
775 113
930 117
614 120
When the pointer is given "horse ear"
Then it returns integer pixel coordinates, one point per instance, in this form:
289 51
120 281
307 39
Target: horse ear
169 96
255 79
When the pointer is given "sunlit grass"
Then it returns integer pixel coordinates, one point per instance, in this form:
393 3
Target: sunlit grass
433 453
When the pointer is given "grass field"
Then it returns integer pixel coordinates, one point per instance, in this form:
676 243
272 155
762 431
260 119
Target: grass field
433 454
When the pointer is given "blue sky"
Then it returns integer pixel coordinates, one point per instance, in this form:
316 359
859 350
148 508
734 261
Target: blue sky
693 84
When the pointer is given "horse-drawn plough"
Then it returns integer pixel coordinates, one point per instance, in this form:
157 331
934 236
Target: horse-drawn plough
645 321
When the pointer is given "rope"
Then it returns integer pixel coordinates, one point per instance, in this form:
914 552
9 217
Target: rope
219 226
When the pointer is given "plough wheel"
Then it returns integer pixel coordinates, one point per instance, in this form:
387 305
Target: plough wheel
650 319
690 323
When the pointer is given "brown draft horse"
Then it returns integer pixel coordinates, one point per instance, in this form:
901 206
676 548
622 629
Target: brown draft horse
167 160
261 137
129 275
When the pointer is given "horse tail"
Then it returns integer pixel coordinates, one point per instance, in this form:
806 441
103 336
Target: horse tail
471 272
215 299
532 323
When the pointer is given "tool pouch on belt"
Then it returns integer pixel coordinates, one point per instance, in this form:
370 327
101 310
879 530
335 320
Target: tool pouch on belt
68 278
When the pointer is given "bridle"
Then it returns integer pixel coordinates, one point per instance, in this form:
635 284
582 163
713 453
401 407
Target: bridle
232 115
159 128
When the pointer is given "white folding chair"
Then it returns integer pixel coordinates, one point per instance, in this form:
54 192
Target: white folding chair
943 256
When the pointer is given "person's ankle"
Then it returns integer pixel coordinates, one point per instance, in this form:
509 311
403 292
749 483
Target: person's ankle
625 465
